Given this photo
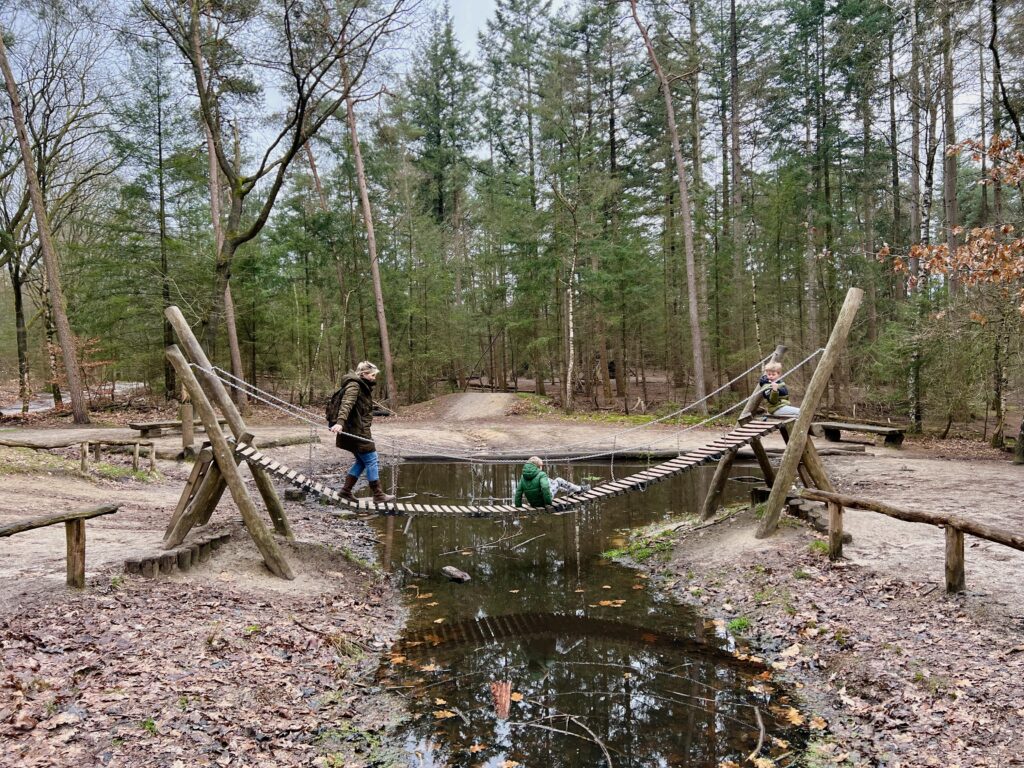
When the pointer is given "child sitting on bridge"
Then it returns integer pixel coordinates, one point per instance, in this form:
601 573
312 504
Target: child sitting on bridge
775 393
538 487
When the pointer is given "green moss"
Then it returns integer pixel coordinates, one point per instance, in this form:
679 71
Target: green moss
642 549
27 461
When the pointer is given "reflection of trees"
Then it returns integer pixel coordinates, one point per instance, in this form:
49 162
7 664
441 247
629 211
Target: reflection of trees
649 706
649 701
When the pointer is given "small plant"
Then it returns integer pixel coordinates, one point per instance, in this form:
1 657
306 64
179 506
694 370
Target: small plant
764 595
819 547
253 629
841 636
642 549
117 582
739 625
760 509
800 573
183 703
149 725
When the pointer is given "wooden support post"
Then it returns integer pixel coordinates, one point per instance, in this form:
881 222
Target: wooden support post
805 476
717 485
955 579
225 458
85 457
187 428
135 458
798 439
152 457
96 451
220 396
811 461
835 531
74 530
763 461
199 471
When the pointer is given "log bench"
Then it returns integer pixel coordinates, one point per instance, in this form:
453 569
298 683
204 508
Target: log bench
156 428
74 527
833 431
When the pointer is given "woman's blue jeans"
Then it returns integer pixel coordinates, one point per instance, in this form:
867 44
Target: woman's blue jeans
366 461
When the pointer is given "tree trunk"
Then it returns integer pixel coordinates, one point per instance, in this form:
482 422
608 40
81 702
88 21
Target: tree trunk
170 386
696 339
60 318
371 241
21 331
950 160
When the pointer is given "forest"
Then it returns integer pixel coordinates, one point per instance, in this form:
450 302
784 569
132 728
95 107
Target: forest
617 205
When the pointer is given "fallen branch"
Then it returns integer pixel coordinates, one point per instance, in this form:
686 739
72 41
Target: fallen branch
760 738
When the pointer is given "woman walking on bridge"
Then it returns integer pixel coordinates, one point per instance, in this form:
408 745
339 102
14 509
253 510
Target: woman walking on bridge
350 416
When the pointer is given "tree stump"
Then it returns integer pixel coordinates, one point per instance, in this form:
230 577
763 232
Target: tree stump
184 559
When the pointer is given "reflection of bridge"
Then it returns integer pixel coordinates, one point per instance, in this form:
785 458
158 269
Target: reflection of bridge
740 436
494 630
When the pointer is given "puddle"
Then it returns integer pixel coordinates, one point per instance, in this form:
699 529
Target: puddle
552 656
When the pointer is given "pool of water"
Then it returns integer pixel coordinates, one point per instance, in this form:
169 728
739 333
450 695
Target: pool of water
553 656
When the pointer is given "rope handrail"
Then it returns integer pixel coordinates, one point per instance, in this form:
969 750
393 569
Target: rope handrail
307 416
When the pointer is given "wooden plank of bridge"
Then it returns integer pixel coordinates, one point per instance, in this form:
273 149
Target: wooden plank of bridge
215 388
224 456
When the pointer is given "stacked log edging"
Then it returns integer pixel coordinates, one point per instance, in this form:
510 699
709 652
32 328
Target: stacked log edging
181 558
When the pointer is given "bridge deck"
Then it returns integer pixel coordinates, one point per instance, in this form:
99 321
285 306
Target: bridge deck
739 437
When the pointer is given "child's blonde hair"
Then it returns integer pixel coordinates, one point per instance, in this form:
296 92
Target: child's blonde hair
773 366
536 461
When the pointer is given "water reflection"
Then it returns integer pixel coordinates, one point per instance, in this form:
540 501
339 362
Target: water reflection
551 656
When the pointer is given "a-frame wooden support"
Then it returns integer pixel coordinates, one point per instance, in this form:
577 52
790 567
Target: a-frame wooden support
217 467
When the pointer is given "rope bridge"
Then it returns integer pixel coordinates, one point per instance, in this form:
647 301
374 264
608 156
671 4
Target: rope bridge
637 482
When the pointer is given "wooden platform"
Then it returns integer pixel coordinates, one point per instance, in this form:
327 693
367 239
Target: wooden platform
833 431
636 482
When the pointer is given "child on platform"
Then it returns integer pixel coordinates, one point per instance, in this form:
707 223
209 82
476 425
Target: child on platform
775 393
538 488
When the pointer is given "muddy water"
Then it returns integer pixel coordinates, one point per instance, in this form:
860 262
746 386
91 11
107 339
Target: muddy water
553 656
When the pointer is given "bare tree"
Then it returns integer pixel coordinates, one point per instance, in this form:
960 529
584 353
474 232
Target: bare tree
65 337
297 45
696 337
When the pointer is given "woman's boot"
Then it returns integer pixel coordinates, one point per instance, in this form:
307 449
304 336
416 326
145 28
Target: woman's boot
379 497
346 489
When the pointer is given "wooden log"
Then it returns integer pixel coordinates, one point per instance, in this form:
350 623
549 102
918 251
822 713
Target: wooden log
61 517
717 485
805 476
219 395
955 580
205 551
194 549
941 519
152 457
199 470
184 555
150 568
224 456
814 466
763 461
74 531
96 451
168 562
791 459
187 430
835 531
85 457
133 565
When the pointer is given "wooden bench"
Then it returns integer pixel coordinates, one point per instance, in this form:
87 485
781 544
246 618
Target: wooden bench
156 428
833 431
74 528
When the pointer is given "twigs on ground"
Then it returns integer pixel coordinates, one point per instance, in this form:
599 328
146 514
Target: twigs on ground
760 738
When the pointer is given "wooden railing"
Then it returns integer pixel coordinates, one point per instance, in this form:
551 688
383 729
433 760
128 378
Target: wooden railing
74 526
955 526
